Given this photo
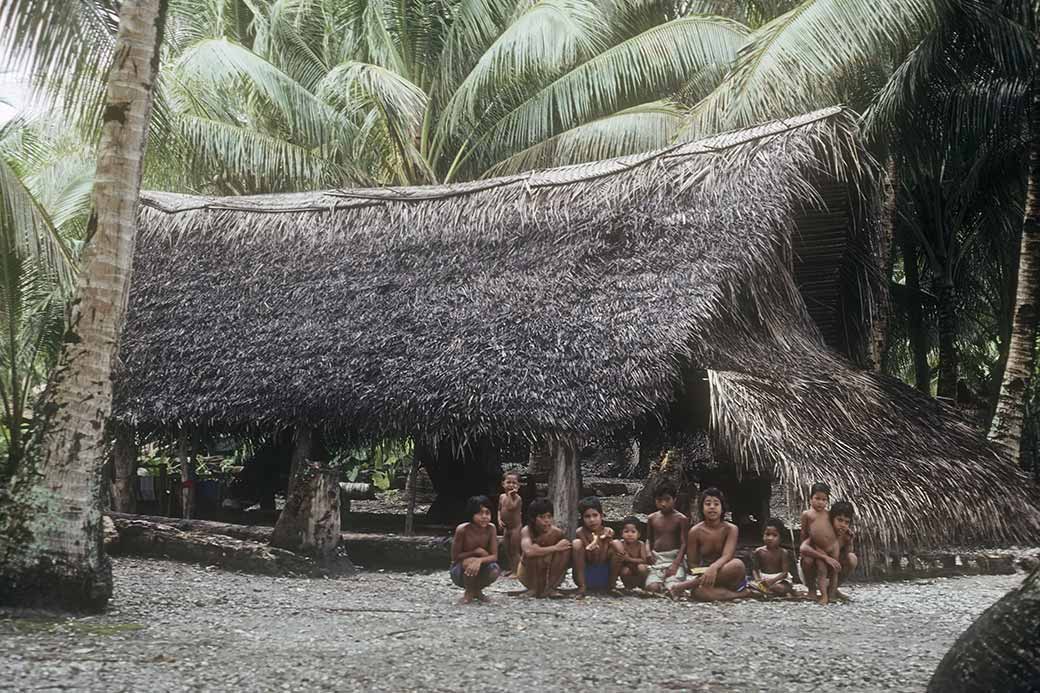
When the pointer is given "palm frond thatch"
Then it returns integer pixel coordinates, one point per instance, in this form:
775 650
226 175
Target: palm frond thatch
563 300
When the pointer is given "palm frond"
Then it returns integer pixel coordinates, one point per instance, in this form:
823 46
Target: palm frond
647 66
641 128
794 63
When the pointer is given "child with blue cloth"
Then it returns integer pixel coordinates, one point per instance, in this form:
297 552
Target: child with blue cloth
474 551
595 563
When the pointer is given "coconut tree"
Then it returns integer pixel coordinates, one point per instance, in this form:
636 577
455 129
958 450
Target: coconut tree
338 92
44 196
51 549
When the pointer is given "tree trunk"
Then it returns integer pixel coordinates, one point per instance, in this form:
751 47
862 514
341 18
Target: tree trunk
303 445
947 386
60 559
539 460
915 316
410 488
309 523
124 469
186 455
880 326
1006 429
565 484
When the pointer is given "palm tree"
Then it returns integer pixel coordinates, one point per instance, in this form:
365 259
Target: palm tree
45 186
51 545
339 92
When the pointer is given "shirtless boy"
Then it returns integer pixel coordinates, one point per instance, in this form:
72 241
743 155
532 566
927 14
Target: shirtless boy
666 532
716 573
633 554
596 565
770 564
820 561
474 551
545 552
827 567
509 518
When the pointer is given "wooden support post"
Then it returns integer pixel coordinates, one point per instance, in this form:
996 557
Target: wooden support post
124 469
303 443
310 521
565 483
164 495
632 456
409 518
187 459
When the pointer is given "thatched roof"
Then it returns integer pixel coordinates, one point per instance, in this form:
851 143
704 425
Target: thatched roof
567 300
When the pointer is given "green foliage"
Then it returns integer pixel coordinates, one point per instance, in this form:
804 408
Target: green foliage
381 461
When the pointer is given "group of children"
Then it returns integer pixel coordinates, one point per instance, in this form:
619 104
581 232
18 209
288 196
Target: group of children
675 559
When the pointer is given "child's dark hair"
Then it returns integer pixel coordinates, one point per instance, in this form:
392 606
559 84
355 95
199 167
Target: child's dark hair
664 489
819 487
777 524
539 506
630 520
842 508
589 503
506 475
475 503
711 492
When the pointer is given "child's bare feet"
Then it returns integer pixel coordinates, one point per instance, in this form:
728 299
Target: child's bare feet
580 594
554 594
824 599
483 598
467 598
841 596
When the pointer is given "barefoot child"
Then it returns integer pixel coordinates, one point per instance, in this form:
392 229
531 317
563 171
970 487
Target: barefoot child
474 551
716 573
595 565
835 563
820 561
545 552
509 518
770 563
666 532
634 555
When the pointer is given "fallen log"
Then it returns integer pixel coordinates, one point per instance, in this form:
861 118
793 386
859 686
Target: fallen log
144 538
368 550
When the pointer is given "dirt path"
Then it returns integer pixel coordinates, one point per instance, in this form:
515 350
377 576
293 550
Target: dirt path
175 627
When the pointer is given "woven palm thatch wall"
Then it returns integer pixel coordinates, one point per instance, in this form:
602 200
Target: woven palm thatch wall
560 301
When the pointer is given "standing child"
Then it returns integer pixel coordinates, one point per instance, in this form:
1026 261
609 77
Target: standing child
717 574
545 552
634 555
595 565
819 550
666 532
836 562
770 564
510 519
474 551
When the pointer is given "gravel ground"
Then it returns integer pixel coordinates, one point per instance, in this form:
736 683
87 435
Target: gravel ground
178 627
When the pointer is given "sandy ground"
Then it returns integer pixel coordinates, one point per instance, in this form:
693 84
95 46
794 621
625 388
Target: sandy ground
178 627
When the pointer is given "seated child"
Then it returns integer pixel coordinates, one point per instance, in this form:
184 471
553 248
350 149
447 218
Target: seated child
771 565
666 532
826 565
509 518
716 573
545 553
634 555
595 564
474 551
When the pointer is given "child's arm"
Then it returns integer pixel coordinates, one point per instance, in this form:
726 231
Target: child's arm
456 545
785 564
503 502
811 551
684 531
756 569
530 549
804 530
729 550
650 531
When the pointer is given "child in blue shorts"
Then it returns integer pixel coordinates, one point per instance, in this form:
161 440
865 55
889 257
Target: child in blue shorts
474 551
595 563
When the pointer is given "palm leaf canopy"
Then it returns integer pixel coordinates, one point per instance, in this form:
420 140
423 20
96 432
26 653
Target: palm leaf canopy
571 300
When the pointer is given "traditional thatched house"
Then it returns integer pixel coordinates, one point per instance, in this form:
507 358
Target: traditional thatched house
563 303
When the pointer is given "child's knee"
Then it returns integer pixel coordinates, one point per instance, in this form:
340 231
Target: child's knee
643 569
578 545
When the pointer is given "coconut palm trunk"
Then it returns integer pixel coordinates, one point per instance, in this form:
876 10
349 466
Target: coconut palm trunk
1006 428
60 560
